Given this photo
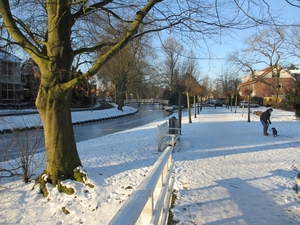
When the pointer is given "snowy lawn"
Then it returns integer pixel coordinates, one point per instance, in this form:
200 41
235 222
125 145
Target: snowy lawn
226 172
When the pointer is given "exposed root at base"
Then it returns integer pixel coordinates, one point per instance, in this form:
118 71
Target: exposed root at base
43 179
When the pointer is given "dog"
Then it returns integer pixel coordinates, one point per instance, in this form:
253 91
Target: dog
275 133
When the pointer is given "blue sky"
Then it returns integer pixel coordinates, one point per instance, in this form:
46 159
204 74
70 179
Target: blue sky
213 63
287 12
219 51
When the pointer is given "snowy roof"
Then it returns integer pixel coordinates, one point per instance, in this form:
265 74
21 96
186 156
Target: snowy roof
7 57
295 71
247 79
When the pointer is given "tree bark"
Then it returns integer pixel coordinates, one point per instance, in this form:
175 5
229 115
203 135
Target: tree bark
188 107
121 89
180 109
54 56
62 157
195 106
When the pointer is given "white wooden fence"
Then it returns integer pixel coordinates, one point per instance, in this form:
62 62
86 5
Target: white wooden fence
150 202
148 101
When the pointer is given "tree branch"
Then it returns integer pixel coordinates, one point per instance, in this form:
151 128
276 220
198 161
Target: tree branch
19 37
132 30
85 10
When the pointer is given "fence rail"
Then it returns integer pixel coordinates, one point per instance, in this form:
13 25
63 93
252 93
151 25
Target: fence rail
148 101
150 202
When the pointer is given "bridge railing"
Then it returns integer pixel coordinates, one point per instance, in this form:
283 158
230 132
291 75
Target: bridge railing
149 101
150 202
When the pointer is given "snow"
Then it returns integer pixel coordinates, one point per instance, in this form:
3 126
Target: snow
226 172
30 120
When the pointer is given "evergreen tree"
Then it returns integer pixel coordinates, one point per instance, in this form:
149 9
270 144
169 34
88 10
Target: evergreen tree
293 99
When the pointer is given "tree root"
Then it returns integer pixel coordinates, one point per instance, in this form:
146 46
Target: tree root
81 177
43 179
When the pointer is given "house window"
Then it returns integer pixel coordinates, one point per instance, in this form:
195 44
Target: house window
6 68
3 68
4 94
279 86
9 68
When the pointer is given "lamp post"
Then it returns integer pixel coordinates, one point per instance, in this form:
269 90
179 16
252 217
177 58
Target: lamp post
93 89
231 97
249 108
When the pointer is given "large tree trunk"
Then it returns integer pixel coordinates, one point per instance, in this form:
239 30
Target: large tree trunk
121 86
120 101
51 48
62 157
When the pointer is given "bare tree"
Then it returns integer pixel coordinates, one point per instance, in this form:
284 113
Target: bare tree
206 82
189 83
18 149
294 42
198 91
171 65
295 3
126 70
268 44
129 67
264 48
59 34
229 83
245 63
190 78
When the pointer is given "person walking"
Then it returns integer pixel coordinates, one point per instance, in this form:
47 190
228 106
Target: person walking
265 120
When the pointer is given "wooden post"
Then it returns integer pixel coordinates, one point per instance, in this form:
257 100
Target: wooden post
248 108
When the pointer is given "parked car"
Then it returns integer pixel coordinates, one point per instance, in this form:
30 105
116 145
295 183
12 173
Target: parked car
245 104
218 103
209 101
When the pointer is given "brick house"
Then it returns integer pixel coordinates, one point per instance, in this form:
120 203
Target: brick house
31 77
265 84
11 85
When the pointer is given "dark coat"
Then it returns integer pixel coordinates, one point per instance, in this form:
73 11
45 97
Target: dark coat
265 116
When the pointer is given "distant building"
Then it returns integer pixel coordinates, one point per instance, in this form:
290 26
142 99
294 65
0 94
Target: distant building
295 74
11 88
31 77
262 81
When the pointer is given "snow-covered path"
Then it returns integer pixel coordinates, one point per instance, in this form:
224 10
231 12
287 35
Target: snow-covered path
227 172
